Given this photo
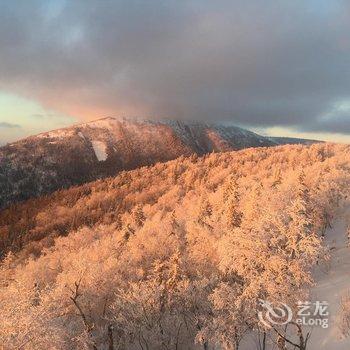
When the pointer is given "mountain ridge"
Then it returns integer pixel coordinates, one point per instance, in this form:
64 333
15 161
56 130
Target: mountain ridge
43 163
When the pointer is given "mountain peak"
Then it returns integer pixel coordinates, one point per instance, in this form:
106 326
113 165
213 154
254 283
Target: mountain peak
84 152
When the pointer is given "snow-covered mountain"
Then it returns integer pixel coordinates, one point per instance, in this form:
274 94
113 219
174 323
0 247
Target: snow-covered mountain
58 159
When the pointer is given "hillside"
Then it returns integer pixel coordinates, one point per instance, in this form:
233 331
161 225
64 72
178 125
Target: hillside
95 202
59 159
173 256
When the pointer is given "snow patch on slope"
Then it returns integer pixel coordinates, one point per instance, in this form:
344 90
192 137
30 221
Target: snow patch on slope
100 149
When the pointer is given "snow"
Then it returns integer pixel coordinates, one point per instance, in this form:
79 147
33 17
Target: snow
100 149
332 282
104 123
59 134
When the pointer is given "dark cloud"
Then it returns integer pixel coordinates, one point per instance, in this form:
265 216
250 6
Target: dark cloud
258 63
6 125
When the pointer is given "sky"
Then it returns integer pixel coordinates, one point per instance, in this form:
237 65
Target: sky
275 67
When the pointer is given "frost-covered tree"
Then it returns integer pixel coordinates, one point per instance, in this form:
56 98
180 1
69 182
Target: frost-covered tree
174 256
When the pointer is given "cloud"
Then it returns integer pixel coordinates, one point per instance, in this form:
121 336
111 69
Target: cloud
257 63
6 125
41 116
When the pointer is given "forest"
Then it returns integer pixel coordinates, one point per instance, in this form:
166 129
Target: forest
173 256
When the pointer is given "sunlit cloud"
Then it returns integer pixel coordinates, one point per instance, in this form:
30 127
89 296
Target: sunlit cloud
257 64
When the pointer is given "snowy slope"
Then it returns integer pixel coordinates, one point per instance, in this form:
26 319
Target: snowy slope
332 283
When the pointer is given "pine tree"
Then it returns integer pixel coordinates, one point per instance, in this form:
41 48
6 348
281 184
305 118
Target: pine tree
231 199
300 216
138 216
